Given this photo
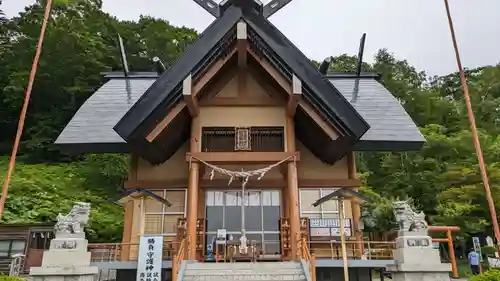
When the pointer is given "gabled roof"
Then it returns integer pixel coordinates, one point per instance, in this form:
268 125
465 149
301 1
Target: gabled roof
91 128
141 192
345 193
124 110
391 128
271 44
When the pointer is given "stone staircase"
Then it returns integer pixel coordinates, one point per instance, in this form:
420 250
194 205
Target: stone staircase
242 271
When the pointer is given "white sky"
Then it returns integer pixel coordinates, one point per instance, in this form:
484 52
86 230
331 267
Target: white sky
415 30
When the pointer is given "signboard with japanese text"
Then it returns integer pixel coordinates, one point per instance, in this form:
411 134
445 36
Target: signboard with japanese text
329 223
325 229
149 261
221 236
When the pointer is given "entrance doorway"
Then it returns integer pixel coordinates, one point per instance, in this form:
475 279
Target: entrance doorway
262 216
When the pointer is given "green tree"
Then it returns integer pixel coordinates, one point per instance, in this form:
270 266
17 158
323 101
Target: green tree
80 44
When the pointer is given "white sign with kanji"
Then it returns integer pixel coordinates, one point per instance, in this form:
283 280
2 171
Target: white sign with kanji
150 258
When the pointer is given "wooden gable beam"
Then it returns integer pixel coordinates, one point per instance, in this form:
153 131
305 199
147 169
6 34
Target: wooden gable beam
326 127
278 77
242 46
164 123
212 71
293 100
187 93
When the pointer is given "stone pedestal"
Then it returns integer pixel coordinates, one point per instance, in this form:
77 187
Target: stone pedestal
416 259
66 260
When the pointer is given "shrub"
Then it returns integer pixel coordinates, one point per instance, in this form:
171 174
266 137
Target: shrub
490 275
10 278
489 251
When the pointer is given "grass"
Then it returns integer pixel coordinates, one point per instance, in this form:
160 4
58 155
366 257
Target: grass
464 269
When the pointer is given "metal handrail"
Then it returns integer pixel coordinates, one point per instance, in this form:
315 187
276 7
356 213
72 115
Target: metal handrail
16 265
305 254
179 258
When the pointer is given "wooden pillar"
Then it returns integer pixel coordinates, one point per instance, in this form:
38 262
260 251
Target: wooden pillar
285 204
193 186
451 251
355 207
342 239
293 188
128 216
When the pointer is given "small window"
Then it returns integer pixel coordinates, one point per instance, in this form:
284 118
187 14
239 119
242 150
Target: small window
4 249
243 140
17 247
8 248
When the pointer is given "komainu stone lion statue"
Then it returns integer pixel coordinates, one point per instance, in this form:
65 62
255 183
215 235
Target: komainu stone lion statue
75 220
406 218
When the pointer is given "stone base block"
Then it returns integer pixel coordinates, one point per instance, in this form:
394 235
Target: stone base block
414 241
63 273
420 276
69 243
417 255
66 258
419 268
58 271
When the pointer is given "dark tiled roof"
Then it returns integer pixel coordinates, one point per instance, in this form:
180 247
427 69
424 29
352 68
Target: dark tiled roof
93 122
390 126
346 193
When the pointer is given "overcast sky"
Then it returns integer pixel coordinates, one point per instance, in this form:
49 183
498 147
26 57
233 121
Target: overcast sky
415 30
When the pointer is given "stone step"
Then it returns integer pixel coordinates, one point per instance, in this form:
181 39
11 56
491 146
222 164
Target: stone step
242 265
261 271
249 277
242 272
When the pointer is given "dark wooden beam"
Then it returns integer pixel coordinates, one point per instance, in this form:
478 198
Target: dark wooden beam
325 126
237 157
187 93
164 123
263 183
212 71
293 100
278 77
242 46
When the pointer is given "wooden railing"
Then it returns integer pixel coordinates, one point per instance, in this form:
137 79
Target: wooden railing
261 139
369 250
305 254
179 257
115 252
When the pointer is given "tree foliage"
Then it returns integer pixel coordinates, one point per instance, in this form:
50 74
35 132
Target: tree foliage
442 179
80 44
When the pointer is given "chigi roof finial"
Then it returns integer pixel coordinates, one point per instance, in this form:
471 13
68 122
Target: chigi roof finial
266 11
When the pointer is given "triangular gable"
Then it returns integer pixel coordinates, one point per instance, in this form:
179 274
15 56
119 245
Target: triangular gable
167 90
255 93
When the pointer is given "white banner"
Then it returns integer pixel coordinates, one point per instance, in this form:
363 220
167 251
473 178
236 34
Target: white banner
477 247
150 258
